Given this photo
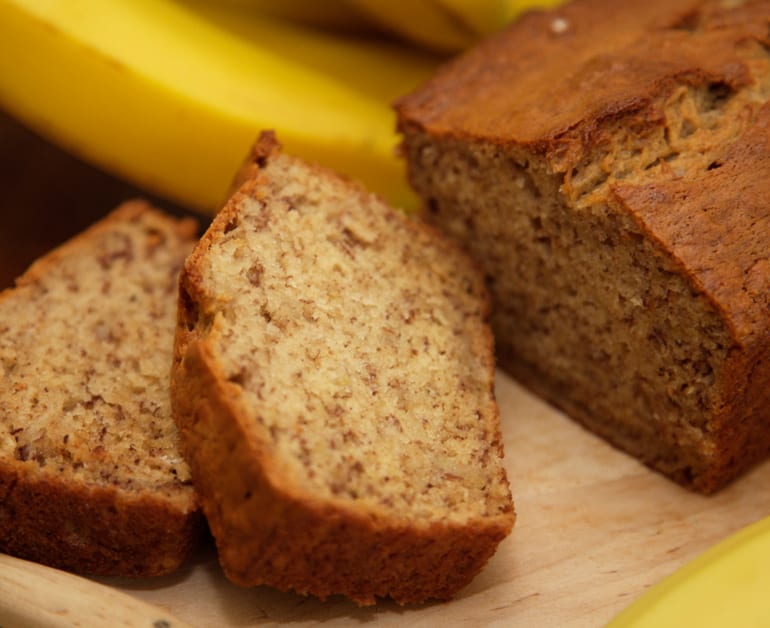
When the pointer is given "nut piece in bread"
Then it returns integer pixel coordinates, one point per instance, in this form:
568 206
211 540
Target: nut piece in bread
609 166
333 384
91 476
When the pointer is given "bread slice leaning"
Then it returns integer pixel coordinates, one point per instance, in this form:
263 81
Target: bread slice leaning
91 476
333 382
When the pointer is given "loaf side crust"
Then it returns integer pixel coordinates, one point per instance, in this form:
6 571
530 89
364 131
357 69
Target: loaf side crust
94 530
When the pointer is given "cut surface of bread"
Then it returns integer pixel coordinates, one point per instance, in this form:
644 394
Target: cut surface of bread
333 383
91 476
608 164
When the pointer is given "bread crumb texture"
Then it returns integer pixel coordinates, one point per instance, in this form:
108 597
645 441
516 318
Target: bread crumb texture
619 209
354 347
86 342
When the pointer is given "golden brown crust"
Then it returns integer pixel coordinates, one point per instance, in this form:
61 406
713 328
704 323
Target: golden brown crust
49 514
270 530
93 530
267 144
611 59
718 230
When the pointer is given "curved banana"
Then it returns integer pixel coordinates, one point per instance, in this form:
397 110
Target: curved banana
516 7
430 24
164 95
445 25
725 586
335 15
381 69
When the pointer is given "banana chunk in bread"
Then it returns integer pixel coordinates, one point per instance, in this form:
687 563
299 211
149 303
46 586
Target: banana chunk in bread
608 164
333 383
91 476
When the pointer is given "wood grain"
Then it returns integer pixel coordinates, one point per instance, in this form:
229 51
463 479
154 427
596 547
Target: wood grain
34 595
594 529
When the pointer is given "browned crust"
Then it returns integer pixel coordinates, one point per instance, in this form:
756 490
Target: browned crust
717 229
542 87
267 144
91 529
268 532
96 530
720 238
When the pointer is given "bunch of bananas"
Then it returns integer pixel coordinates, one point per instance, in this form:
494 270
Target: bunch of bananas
169 94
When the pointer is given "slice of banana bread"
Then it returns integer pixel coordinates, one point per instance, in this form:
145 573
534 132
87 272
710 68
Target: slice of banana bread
609 166
91 477
333 382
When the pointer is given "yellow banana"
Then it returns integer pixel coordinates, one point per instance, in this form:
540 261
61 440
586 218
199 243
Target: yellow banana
170 98
335 15
445 25
516 7
725 586
383 70
430 24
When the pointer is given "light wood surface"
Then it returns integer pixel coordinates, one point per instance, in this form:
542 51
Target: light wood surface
594 528
35 595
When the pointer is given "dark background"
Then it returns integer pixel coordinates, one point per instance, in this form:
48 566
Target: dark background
47 196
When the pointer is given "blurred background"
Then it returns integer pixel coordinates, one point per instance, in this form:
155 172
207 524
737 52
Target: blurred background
47 196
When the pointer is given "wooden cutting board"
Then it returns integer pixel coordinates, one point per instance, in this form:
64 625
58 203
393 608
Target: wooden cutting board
594 528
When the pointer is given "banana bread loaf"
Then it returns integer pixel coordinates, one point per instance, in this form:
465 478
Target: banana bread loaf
333 382
608 164
91 476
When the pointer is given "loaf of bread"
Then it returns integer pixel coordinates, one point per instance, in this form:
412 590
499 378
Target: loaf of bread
333 384
91 476
608 164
